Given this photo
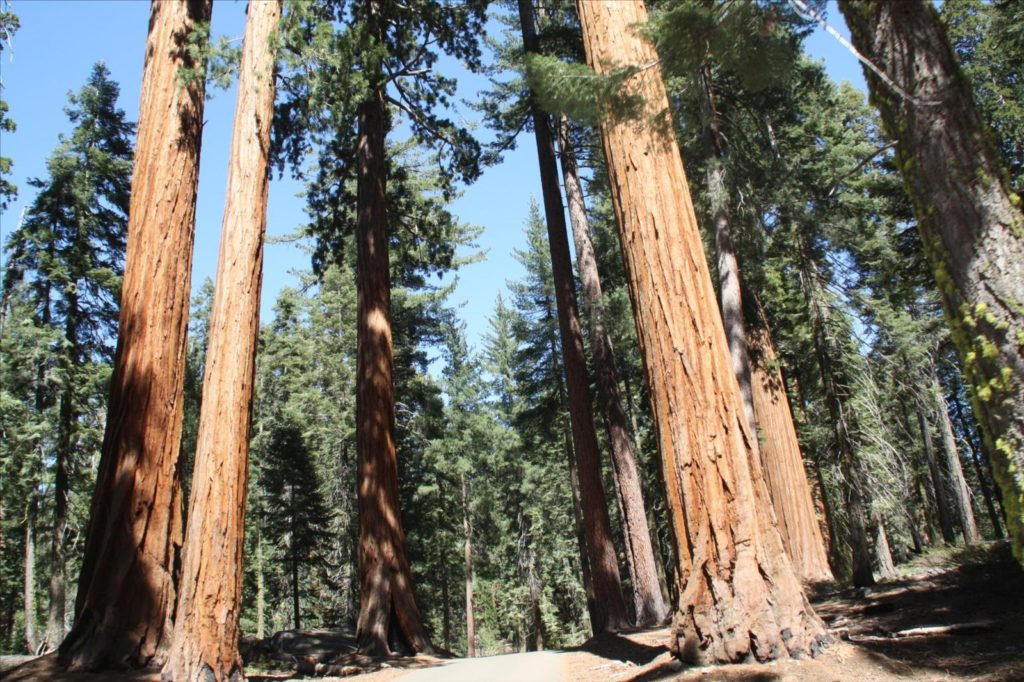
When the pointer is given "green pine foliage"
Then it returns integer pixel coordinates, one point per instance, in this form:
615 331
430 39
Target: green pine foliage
61 289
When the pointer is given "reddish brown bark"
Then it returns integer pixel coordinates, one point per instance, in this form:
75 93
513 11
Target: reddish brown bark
126 586
386 599
206 632
608 612
764 401
648 602
783 464
740 597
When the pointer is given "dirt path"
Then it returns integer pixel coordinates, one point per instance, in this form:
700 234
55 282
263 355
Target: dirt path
536 666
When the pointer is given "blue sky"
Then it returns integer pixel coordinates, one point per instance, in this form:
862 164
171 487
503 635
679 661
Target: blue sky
60 40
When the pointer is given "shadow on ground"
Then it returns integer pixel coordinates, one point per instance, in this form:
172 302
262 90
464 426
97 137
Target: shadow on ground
969 603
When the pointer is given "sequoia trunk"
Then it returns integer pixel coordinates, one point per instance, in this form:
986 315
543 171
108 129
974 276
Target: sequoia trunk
609 610
386 596
206 630
783 464
126 586
648 602
740 597
971 225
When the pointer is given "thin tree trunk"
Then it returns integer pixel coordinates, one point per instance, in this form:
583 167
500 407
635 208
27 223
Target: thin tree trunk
729 287
58 561
446 610
740 596
836 387
979 470
649 604
261 589
971 224
206 629
938 484
961 493
467 531
29 584
609 612
296 609
126 586
386 593
783 464
883 555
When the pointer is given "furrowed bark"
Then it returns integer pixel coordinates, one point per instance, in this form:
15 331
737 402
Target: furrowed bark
206 630
971 224
649 604
609 612
126 586
783 464
386 599
740 597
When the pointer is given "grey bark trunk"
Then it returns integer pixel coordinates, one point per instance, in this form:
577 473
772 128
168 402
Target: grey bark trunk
29 583
467 531
837 398
938 483
961 493
979 471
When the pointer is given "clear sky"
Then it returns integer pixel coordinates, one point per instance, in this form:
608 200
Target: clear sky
60 40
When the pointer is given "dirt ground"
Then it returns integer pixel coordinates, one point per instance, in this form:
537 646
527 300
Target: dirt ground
956 615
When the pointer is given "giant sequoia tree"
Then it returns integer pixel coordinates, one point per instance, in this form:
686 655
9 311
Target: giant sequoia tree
126 587
971 224
738 595
206 630
375 57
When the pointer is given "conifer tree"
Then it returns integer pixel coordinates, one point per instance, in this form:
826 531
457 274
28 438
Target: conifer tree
380 47
608 611
71 246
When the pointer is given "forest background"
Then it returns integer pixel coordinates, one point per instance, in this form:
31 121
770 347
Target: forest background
482 428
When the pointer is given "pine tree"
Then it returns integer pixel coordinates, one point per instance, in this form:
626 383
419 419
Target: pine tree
71 244
608 611
126 588
9 24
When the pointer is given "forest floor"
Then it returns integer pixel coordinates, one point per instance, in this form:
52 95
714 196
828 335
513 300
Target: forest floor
950 615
